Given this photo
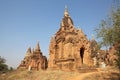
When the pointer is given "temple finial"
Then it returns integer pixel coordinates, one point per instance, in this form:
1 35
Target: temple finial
66 11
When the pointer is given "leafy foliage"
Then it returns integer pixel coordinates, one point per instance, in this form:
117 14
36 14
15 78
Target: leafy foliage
3 66
2 60
109 32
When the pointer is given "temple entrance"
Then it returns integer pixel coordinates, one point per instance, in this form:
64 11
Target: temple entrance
82 53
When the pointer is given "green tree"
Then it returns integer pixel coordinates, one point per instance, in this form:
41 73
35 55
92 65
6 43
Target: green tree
3 66
109 31
11 69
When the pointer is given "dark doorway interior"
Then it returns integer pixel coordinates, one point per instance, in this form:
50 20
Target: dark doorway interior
82 53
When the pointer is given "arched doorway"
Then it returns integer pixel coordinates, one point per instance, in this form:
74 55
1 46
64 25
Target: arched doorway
82 49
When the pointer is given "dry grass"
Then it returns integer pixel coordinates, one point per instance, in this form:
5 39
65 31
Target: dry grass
108 74
38 75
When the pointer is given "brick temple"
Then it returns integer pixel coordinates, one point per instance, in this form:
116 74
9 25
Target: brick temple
69 48
34 60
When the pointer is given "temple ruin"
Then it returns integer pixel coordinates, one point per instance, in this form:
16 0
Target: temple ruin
69 48
34 60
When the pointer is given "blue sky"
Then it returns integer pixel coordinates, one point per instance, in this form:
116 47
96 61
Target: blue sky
25 22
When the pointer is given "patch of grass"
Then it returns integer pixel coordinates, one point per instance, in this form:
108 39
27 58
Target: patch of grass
60 75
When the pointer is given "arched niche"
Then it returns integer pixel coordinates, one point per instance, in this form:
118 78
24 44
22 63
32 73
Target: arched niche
82 50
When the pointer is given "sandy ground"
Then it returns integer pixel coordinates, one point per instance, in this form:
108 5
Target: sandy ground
101 75
109 73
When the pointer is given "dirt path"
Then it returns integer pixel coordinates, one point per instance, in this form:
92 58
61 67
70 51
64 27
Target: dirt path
82 76
98 75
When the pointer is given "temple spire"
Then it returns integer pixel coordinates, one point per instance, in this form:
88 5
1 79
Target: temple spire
28 53
37 47
66 14
29 50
